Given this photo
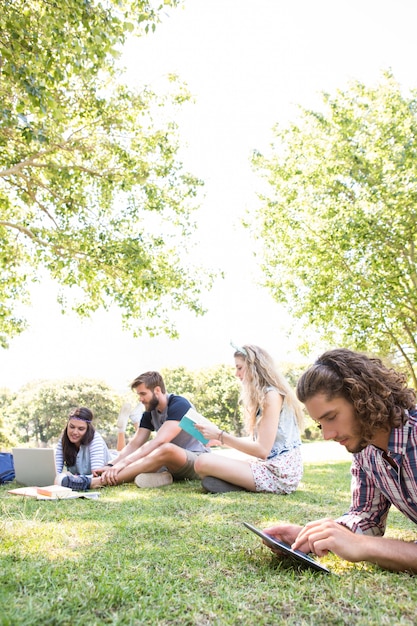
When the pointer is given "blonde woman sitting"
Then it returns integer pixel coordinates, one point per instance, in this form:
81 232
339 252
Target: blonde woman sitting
274 419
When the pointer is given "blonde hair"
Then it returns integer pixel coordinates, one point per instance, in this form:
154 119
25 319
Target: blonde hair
261 373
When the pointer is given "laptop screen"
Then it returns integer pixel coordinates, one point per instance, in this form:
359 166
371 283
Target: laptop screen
34 467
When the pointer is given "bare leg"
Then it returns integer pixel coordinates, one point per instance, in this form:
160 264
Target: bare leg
235 471
167 455
121 425
121 440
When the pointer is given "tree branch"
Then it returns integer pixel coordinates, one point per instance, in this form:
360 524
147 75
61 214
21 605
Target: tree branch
26 231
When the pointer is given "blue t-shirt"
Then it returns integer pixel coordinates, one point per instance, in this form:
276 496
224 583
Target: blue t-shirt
176 408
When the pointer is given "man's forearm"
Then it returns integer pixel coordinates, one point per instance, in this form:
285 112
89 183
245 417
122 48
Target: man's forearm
127 451
392 554
136 454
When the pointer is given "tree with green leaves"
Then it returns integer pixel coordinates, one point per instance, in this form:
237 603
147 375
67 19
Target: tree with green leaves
339 226
6 437
213 391
40 410
180 380
92 191
217 396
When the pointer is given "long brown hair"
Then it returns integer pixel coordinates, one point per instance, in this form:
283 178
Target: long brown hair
69 449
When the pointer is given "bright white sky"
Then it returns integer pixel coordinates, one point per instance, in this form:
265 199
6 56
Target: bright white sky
249 63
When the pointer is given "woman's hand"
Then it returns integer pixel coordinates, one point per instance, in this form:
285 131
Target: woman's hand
210 432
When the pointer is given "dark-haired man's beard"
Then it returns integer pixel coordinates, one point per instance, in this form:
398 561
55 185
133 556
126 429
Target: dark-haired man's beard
152 404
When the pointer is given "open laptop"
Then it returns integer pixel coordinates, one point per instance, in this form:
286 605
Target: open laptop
34 467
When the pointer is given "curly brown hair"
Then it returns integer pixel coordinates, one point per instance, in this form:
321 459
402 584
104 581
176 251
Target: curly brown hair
380 396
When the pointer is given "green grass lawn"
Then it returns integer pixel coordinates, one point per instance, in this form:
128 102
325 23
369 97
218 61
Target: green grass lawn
179 556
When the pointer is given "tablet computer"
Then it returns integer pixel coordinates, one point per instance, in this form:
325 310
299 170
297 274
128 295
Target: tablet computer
296 555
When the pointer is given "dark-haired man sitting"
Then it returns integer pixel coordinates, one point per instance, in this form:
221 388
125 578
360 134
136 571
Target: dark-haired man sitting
157 461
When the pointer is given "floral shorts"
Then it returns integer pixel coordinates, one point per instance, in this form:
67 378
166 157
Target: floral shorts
281 474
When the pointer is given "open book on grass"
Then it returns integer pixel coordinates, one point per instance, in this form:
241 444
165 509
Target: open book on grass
188 422
53 492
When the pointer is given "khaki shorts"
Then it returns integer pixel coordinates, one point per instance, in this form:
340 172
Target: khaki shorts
187 470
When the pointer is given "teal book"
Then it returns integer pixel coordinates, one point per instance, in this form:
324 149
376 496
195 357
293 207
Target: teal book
188 422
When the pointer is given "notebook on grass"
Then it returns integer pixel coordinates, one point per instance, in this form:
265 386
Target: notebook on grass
34 467
300 557
53 492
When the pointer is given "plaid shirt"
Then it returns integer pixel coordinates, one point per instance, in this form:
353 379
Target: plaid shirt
376 484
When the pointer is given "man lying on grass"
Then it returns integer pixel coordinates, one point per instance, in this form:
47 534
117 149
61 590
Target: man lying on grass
369 409
156 462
